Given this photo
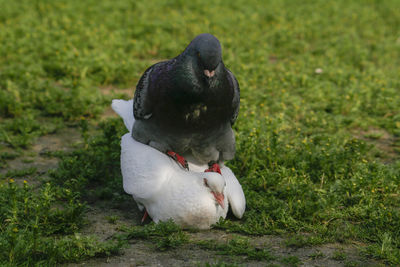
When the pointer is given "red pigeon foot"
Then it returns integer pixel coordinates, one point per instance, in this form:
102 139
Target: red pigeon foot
144 215
213 167
179 159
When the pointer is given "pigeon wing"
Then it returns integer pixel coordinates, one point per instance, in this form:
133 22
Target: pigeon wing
142 106
234 192
236 95
143 176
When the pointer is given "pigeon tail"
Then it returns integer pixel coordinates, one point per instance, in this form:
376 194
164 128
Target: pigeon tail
234 190
124 108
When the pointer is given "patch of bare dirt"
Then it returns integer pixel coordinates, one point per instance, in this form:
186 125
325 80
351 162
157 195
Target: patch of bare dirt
111 90
125 93
104 222
143 253
37 156
386 145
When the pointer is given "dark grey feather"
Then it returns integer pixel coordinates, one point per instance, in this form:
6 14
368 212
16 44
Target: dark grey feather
141 105
236 96
188 103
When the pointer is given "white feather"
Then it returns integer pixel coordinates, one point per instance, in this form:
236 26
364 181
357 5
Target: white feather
234 192
165 189
125 110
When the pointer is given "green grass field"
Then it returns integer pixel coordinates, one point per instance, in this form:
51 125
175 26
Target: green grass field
318 134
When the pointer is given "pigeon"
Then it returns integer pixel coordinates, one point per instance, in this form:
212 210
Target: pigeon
164 191
189 104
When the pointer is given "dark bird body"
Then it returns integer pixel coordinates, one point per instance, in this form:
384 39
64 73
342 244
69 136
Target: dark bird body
189 103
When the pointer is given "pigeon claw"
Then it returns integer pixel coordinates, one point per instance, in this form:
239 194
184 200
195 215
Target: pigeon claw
213 167
179 159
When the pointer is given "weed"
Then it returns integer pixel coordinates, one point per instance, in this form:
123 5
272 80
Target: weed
221 264
96 164
167 235
339 255
40 227
311 74
316 255
374 135
238 246
385 250
28 160
19 173
351 264
112 219
291 261
299 241
7 156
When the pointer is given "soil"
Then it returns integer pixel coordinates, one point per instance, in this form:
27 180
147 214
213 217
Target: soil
386 145
144 253
37 156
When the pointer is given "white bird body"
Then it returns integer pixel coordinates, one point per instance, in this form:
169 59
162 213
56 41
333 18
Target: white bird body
166 190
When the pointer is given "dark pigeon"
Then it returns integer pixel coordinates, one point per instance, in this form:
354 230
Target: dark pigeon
189 104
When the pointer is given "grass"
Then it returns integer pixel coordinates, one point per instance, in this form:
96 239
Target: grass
291 261
317 78
299 241
167 235
40 227
238 246
19 172
339 255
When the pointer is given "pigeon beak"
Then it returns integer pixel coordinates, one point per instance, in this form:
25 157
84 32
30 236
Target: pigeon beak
219 197
209 74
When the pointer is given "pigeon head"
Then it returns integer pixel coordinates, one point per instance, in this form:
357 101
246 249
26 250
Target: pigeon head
206 49
215 183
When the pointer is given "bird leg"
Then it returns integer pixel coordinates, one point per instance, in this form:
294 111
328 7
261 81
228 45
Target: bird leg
144 215
179 159
213 167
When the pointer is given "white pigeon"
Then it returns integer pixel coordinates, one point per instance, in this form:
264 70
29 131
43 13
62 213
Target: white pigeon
192 199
